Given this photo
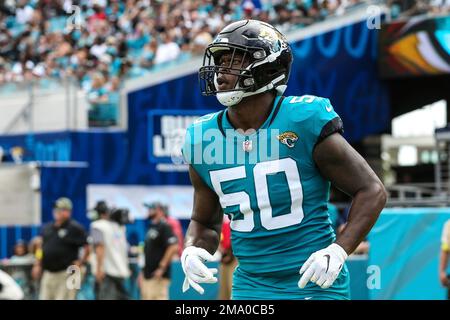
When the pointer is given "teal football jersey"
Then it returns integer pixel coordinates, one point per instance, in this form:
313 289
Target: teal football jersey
267 182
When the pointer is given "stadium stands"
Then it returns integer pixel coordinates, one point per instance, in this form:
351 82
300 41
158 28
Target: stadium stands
99 43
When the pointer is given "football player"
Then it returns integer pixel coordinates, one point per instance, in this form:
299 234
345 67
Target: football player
277 202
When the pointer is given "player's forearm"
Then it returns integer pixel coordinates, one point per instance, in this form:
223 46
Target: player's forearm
202 236
365 209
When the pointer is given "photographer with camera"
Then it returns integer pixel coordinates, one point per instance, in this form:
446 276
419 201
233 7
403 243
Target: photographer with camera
111 252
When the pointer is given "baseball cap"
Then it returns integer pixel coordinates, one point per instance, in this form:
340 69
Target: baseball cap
101 207
153 205
63 203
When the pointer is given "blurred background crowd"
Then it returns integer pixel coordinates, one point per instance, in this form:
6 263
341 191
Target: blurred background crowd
100 42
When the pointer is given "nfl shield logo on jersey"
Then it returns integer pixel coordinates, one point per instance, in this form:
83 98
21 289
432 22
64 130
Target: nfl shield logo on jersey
247 145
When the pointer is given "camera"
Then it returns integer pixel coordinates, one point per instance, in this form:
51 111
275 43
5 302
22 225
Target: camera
120 216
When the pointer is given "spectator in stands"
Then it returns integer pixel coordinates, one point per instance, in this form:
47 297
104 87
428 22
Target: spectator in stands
444 275
111 255
35 43
62 240
19 268
21 255
24 12
168 50
159 248
97 98
35 247
99 48
201 40
148 56
228 261
113 104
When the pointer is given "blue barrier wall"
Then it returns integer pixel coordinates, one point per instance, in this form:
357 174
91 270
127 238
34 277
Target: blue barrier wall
405 245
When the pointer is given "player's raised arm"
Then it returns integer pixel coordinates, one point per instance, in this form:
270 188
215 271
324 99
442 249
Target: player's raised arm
348 171
202 236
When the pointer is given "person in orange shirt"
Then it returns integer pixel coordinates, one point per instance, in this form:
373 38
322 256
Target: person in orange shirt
228 261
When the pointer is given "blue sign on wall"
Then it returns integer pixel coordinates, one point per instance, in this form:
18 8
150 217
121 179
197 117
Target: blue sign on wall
166 128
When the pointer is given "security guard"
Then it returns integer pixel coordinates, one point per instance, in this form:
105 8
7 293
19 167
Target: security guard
62 240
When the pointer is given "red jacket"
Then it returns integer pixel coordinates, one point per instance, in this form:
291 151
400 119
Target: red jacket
225 236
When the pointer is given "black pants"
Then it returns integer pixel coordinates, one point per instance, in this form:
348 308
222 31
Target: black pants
111 288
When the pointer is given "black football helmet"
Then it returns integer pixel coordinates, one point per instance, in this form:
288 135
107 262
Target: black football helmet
266 49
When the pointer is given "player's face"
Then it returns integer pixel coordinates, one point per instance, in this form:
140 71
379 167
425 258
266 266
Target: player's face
61 215
228 71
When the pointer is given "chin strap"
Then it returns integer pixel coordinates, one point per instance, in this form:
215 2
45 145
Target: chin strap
234 97
268 87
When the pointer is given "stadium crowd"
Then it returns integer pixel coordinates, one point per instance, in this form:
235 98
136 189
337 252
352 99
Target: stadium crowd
101 42
127 38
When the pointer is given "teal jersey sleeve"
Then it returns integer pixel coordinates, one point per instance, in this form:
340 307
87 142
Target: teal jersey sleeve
326 120
314 118
192 149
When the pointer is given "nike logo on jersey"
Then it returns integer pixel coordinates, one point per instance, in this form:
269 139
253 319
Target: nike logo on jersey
329 108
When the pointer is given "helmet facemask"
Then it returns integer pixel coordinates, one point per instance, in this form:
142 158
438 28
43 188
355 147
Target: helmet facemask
247 82
212 66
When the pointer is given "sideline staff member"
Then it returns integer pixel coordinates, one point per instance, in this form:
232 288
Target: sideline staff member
160 247
61 242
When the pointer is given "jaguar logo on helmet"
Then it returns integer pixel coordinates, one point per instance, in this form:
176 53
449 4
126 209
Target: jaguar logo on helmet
262 46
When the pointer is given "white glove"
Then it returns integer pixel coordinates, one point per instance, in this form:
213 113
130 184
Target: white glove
192 262
323 266
9 289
